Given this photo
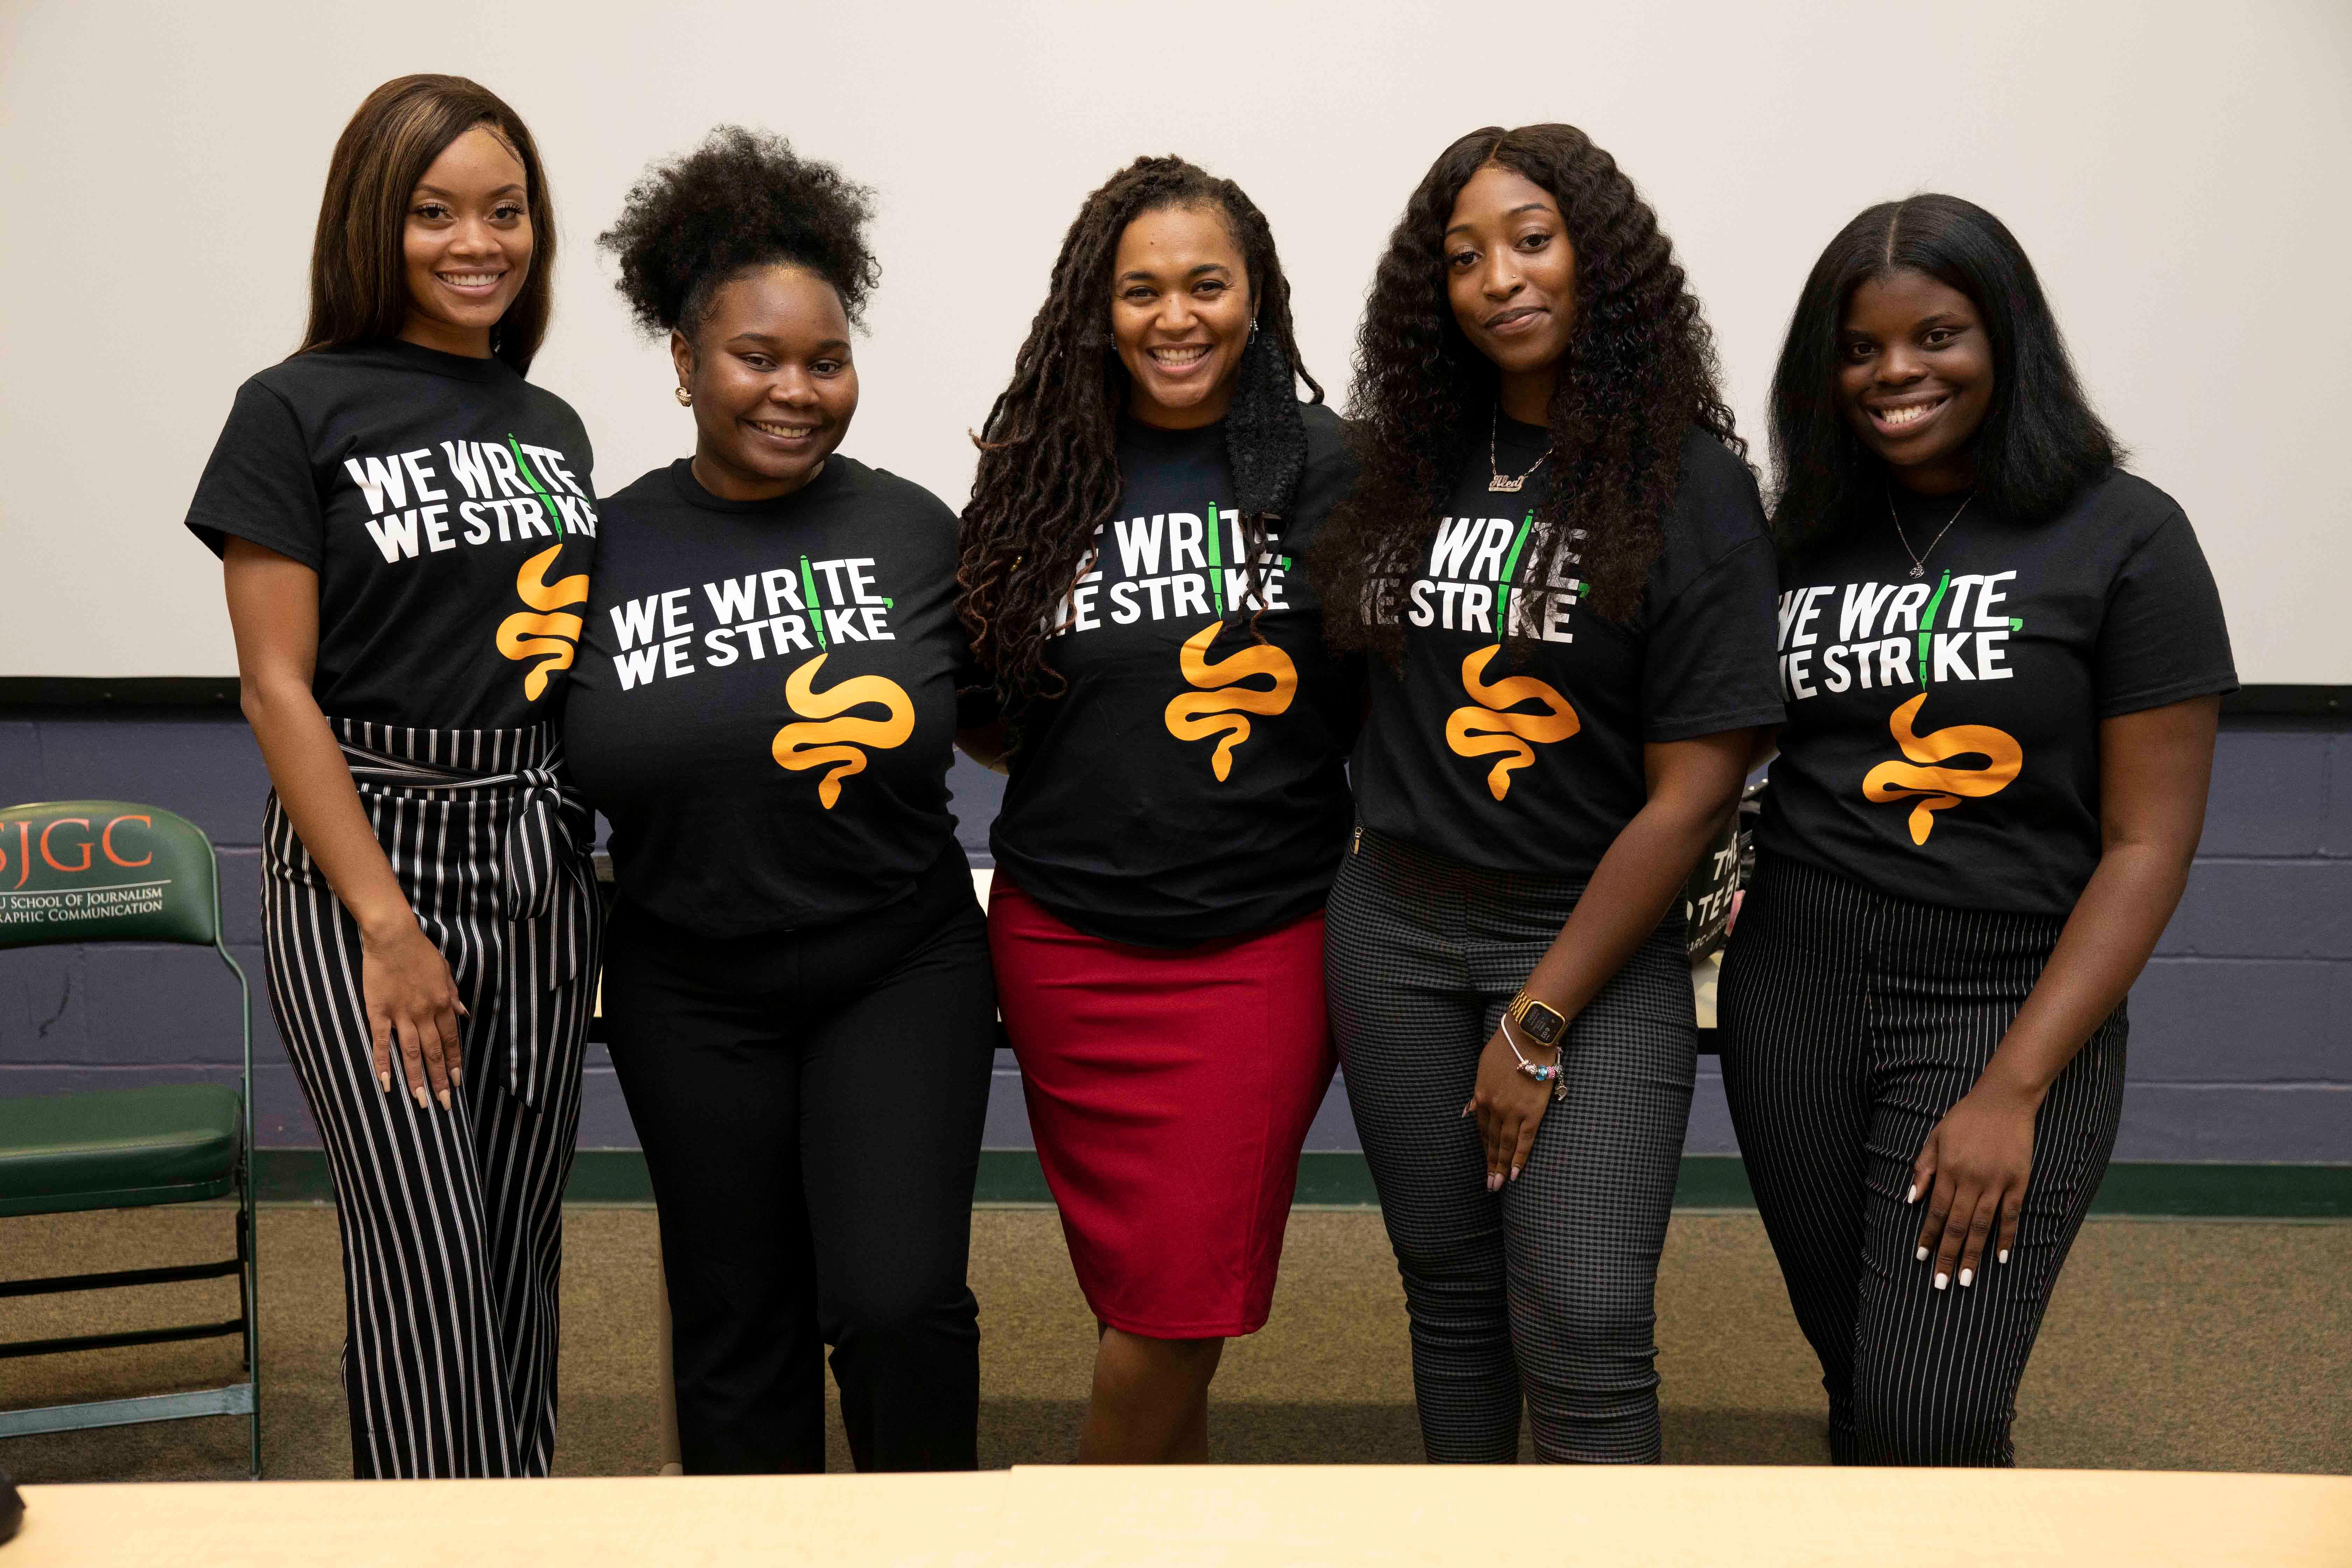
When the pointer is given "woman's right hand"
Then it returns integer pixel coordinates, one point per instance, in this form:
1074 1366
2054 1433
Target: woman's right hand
412 1003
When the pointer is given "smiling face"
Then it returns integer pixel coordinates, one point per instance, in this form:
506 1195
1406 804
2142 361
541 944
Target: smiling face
1914 378
1181 310
466 244
1510 276
773 387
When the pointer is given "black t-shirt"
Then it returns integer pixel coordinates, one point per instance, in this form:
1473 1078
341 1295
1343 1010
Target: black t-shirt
766 697
1943 733
1535 765
1191 785
445 504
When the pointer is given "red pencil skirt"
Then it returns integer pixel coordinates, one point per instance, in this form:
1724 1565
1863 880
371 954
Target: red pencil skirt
1168 1092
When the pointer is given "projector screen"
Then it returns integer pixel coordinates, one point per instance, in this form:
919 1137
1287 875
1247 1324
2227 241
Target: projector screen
2179 172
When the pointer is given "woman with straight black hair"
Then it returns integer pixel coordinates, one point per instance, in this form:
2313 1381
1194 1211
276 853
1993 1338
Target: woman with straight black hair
1560 564
1178 800
2003 658
408 530
799 1005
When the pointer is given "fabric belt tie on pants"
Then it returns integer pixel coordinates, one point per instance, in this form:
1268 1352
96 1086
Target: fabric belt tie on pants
543 879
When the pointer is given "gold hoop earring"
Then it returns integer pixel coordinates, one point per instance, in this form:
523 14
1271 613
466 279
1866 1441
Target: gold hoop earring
685 398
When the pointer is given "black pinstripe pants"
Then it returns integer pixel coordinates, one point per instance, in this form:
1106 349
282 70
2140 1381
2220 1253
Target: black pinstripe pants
1544 1291
1851 1023
452 1221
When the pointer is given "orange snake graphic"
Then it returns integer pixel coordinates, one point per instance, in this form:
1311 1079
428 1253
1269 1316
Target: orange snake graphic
548 637
1490 727
837 742
1940 787
1197 715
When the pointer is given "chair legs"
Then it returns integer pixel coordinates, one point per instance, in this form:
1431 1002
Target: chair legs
248 1297
239 1398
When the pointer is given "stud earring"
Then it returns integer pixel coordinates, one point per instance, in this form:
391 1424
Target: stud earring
685 398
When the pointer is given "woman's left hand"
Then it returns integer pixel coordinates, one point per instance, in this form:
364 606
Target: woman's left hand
1509 1106
1972 1171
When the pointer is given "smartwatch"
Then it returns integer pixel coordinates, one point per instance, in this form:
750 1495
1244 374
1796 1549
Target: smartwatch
1539 1021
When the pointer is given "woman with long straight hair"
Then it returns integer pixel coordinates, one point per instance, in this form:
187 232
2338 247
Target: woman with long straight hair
406 525
799 1005
1177 801
1559 565
2003 658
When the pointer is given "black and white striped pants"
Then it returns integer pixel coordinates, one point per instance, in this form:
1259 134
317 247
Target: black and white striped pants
452 1221
1851 1023
1545 1290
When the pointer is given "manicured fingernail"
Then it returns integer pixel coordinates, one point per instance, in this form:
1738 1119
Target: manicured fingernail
2002 1255
1913 1196
444 1098
1920 1256
1967 1277
384 1079
457 1078
1514 1172
1942 1280
421 1103
1494 1183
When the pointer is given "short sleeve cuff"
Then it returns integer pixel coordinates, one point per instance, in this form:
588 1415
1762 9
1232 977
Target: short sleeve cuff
1661 730
2216 683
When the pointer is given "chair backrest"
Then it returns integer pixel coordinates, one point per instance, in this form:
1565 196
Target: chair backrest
105 870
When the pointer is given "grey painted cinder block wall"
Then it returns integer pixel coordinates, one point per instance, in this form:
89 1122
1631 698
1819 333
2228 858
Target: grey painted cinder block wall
2240 1045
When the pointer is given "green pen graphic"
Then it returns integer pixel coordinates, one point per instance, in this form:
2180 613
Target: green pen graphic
1510 576
1928 624
531 479
1216 561
2015 625
815 610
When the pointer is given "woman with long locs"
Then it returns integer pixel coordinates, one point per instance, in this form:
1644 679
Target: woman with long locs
1559 565
2003 658
407 533
799 1004
1177 801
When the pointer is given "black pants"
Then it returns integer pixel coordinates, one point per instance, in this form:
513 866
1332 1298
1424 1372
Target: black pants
1546 1290
1851 1023
810 1104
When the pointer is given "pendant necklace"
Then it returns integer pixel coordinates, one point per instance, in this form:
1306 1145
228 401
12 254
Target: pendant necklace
1918 558
1506 482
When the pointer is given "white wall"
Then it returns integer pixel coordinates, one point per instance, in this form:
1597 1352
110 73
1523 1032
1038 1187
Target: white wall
2181 174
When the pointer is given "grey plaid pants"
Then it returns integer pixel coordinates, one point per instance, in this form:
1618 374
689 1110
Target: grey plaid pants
1545 1290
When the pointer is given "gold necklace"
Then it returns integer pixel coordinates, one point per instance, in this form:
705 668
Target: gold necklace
1502 481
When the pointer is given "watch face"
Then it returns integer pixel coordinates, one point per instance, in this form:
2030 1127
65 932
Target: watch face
1541 1023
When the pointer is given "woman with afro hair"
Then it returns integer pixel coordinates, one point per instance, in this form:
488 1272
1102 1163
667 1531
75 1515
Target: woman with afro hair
798 1003
1177 802
1560 565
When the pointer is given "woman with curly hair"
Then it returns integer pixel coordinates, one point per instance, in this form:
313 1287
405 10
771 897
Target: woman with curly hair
798 1003
1177 802
2004 658
406 531
1559 563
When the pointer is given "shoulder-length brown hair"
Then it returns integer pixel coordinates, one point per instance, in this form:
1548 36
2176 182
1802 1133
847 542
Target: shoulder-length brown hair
359 268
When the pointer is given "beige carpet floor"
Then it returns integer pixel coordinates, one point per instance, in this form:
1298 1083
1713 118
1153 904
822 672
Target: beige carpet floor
2171 1345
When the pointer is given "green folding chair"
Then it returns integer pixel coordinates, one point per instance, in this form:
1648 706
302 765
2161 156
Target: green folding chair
107 871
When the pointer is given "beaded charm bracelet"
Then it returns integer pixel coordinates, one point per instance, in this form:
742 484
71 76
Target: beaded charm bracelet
1540 1072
